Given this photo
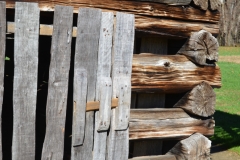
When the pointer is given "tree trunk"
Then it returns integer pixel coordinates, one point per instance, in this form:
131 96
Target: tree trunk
229 34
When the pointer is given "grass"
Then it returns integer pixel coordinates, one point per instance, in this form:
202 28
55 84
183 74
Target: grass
227 116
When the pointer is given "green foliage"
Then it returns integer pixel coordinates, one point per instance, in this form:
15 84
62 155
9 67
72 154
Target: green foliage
227 116
7 59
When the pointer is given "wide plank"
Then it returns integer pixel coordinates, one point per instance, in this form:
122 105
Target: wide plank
86 57
53 145
25 80
2 61
170 74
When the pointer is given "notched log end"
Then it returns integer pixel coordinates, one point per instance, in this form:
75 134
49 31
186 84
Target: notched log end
201 48
200 101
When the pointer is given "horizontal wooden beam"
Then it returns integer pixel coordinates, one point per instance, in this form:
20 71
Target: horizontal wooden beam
160 157
94 105
170 74
174 125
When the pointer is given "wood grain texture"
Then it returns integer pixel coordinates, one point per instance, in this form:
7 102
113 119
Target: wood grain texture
159 157
169 128
194 147
2 62
170 74
79 106
200 48
201 101
86 56
203 4
53 145
25 80
121 70
189 13
215 4
94 105
171 2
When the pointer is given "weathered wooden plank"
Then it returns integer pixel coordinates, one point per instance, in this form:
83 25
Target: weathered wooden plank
147 9
25 80
160 157
171 2
94 105
203 4
53 145
86 56
121 70
79 106
174 126
194 147
199 101
2 61
158 113
200 48
100 141
170 74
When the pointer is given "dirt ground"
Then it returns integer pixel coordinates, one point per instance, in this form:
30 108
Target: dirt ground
234 59
219 153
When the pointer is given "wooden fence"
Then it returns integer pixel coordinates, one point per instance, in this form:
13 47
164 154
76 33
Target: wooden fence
108 80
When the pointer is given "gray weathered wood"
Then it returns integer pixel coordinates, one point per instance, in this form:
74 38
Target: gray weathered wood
53 145
160 157
215 4
105 104
200 100
196 147
169 128
171 2
200 47
117 143
25 80
79 106
100 141
2 62
203 4
122 66
86 56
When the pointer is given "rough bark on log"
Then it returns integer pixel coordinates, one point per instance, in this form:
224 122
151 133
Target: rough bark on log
174 126
229 33
200 48
200 101
160 157
170 73
158 18
196 147
203 4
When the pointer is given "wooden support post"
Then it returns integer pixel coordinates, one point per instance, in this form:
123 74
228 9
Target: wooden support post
200 48
53 146
166 123
104 87
118 140
150 100
2 62
86 57
25 80
195 147
200 101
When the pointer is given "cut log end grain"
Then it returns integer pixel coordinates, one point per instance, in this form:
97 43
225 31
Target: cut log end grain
195 147
201 48
200 101
203 4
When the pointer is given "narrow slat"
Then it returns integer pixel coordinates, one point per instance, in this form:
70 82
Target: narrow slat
58 83
122 65
88 33
25 80
2 61
79 108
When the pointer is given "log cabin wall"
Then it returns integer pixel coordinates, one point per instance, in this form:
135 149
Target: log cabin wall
161 29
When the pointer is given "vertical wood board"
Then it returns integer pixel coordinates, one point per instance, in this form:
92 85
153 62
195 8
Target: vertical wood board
53 146
25 80
2 62
122 66
86 57
79 106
